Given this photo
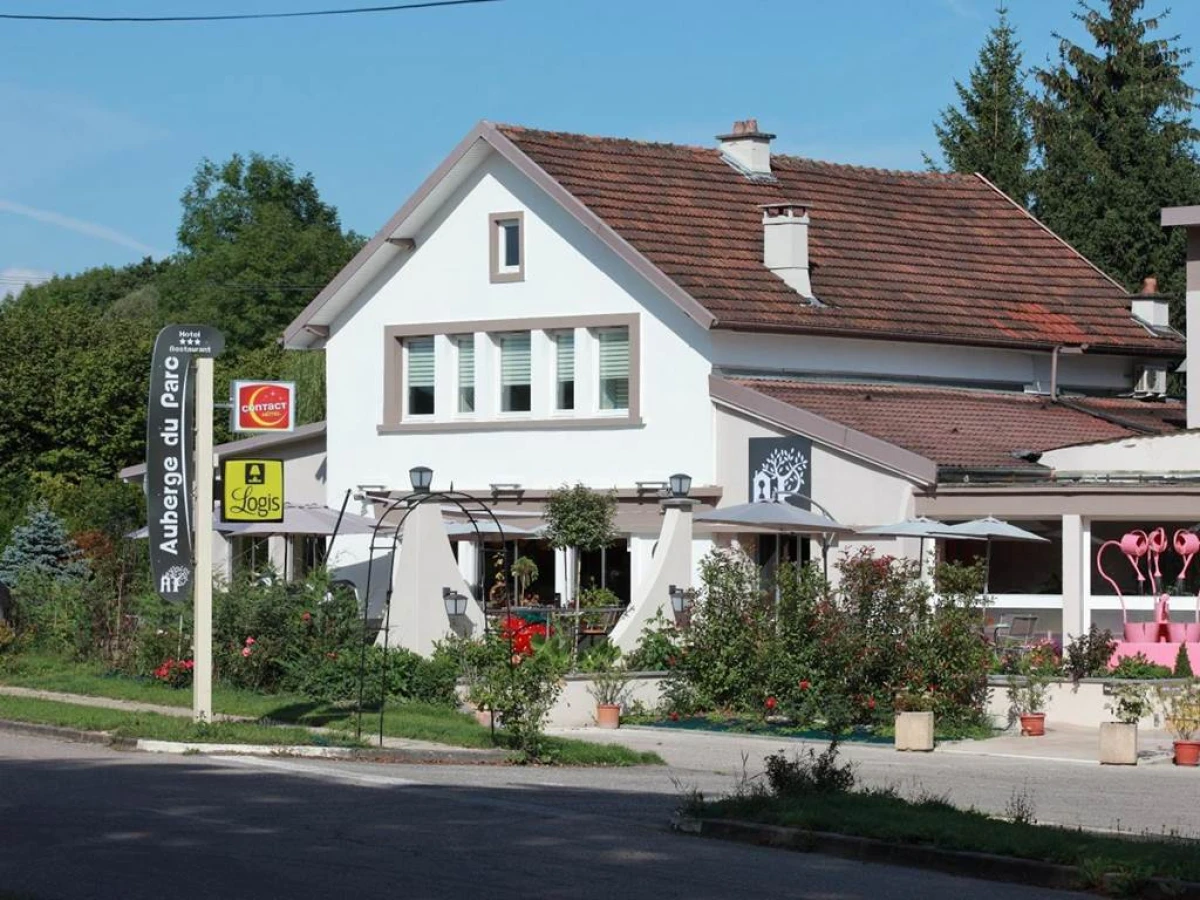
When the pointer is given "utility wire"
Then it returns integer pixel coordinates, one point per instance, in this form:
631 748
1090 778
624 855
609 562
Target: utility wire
232 17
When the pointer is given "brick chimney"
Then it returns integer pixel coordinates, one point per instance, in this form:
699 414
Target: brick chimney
747 148
785 245
1150 306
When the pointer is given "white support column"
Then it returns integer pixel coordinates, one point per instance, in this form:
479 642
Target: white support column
1086 581
1073 581
202 626
468 564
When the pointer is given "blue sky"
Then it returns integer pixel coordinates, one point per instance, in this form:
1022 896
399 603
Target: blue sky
102 125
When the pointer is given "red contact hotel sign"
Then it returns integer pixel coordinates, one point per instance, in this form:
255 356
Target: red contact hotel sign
264 406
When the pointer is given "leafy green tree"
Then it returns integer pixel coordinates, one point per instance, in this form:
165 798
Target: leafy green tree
989 130
72 401
256 244
1116 143
581 518
40 545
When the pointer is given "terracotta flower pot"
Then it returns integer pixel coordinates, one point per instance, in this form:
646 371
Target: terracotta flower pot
608 715
1033 724
1187 753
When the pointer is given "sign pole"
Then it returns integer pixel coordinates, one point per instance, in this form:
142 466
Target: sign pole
202 671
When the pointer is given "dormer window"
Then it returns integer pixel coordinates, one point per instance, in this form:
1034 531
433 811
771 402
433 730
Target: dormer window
507 250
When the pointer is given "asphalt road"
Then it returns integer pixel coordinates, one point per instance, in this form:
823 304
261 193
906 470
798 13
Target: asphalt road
79 821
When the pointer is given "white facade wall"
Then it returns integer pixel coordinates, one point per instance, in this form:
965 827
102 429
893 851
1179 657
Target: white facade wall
1158 454
568 272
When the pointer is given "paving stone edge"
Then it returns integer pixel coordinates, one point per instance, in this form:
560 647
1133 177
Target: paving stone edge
968 864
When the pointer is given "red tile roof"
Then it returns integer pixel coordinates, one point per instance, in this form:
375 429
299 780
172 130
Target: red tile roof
959 428
894 254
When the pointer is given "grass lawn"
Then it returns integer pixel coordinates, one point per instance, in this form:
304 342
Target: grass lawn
938 824
159 727
415 721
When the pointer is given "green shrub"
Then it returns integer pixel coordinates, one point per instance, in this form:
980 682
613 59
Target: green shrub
1183 663
1138 666
407 676
267 636
658 647
1088 655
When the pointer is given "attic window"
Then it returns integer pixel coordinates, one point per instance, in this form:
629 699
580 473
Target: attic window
506 247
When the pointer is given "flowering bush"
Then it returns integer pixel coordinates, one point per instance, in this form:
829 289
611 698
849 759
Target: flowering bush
175 672
800 649
520 633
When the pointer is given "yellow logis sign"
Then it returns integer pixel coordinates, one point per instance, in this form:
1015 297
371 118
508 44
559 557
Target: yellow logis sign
251 490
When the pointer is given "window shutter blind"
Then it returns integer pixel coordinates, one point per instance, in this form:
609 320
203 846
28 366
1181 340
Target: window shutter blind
420 362
514 359
466 361
614 354
566 355
614 368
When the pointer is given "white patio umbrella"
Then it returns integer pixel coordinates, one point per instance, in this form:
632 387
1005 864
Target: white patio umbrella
920 527
778 517
487 528
989 529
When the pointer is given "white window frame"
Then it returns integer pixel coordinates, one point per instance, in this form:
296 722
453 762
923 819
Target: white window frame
498 372
630 383
407 347
498 226
459 340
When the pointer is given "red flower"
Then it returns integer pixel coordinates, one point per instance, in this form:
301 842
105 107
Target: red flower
188 664
306 616
771 702
870 703
250 642
674 717
245 651
804 685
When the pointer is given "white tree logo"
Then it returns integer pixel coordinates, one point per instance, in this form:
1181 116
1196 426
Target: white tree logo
174 579
782 473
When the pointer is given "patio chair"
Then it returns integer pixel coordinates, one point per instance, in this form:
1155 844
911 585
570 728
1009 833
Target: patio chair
1016 634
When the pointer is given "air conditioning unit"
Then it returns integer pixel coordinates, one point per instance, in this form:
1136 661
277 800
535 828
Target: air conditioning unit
1151 382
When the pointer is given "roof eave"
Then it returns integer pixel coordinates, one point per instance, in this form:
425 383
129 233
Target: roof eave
1176 351
299 334
886 455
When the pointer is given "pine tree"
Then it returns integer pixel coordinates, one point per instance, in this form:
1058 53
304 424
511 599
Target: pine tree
1116 144
40 544
989 131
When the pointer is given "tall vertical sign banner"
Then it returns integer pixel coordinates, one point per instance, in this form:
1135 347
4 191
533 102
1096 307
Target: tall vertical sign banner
169 466
781 470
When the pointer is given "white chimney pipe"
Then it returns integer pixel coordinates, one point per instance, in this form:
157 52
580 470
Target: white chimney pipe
785 244
747 148
1150 306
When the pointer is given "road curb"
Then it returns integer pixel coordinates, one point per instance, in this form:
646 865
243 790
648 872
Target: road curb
968 864
362 754
75 735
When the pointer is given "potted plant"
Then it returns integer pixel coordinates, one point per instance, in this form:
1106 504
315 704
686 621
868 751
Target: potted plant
609 684
1027 691
1181 707
524 573
1118 740
914 719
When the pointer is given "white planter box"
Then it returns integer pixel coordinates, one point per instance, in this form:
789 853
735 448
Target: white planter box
914 731
1118 744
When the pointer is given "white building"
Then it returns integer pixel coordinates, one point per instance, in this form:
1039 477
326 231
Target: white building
551 308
